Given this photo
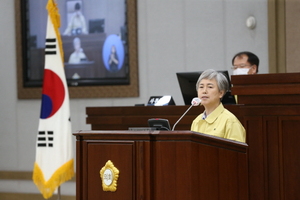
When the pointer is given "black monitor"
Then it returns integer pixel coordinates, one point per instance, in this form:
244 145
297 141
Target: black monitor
187 82
96 25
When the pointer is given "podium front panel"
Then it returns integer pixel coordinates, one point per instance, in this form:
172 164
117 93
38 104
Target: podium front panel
121 154
159 165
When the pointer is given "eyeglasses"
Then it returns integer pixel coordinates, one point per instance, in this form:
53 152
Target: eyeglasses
241 66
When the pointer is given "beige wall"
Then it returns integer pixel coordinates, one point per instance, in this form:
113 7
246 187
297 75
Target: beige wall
284 35
292 35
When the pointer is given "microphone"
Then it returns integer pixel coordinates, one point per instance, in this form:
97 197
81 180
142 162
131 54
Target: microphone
195 102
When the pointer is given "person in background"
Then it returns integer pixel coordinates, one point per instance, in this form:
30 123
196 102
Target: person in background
216 120
77 25
113 60
78 55
245 63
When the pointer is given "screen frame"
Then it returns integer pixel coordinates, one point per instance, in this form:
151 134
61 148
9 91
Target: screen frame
93 90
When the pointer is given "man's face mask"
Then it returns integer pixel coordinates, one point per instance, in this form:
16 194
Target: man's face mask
240 71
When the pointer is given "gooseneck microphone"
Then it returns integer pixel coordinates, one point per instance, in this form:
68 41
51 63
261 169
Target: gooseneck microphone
195 102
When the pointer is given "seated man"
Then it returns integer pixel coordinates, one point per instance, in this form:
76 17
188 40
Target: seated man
245 63
77 23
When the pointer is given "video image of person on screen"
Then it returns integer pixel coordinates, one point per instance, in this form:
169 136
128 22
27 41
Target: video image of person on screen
113 59
78 55
77 24
216 120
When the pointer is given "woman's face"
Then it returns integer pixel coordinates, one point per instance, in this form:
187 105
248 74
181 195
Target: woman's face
209 93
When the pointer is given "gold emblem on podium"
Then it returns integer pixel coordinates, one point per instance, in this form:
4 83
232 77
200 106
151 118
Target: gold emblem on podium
109 175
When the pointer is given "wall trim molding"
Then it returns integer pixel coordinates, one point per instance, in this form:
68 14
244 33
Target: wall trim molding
20 175
28 196
276 36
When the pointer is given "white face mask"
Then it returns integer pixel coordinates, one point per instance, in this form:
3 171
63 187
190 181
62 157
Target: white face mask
240 71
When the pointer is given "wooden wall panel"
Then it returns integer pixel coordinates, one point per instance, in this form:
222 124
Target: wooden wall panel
255 137
272 158
123 157
290 155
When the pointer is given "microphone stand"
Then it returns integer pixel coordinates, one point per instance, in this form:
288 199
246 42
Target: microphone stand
182 116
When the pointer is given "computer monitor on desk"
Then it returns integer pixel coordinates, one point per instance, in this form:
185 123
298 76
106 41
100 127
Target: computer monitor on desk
187 82
96 25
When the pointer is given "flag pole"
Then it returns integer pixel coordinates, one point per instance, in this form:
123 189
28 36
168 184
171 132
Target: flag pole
58 193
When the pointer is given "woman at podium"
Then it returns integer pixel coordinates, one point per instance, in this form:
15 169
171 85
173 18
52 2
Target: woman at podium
216 120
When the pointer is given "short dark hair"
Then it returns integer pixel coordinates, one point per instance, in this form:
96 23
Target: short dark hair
77 6
252 58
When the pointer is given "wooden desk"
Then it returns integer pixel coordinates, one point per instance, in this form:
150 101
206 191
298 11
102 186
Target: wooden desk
271 116
121 118
169 165
270 113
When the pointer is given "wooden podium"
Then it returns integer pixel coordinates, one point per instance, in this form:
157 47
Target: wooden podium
271 117
269 109
155 165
